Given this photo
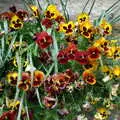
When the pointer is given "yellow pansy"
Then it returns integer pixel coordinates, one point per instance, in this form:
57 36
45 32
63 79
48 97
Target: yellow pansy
83 17
86 29
67 28
52 12
34 10
108 71
116 71
16 22
13 104
106 27
12 78
91 65
102 114
114 52
102 43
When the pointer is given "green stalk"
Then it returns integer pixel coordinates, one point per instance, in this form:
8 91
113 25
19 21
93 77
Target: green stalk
55 52
19 62
26 108
20 107
64 5
38 97
101 62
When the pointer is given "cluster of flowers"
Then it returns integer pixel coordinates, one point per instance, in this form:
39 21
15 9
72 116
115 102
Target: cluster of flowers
26 79
90 58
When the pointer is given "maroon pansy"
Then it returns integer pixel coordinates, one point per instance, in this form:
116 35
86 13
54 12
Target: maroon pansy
62 57
43 39
82 57
47 23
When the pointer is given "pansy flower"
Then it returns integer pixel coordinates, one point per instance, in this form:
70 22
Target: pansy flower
91 65
71 51
52 12
43 39
12 78
114 52
72 39
16 23
22 14
93 53
38 78
107 28
86 29
6 15
67 28
82 57
25 82
47 23
45 57
89 77
62 57
83 17
35 11
60 19
49 102
12 104
102 114
116 71
10 115
102 44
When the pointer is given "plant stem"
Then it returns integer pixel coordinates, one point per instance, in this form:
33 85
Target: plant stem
38 96
20 107
55 52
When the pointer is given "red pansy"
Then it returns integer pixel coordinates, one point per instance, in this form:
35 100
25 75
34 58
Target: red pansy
62 57
47 23
43 39
82 57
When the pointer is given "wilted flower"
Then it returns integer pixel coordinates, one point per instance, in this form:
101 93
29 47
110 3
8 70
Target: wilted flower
43 39
50 102
45 57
